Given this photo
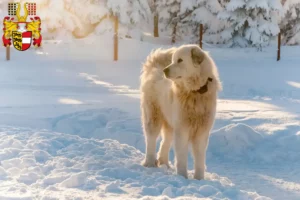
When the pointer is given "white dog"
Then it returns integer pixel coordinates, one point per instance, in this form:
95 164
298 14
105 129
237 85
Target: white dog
179 89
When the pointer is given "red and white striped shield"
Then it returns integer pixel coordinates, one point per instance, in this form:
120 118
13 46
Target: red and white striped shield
22 41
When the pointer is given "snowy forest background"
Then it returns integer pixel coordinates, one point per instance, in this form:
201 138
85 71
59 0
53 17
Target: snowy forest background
232 23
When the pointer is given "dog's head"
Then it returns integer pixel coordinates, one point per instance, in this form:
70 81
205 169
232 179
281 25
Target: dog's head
191 66
186 62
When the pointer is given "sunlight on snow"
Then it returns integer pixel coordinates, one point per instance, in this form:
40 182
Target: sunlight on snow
244 105
253 112
41 53
282 184
294 84
123 89
69 101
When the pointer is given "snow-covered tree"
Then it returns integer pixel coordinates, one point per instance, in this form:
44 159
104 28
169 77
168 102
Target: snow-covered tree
253 22
73 18
195 12
290 24
168 10
181 18
66 18
130 12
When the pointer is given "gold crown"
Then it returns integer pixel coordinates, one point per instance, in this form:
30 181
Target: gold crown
22 18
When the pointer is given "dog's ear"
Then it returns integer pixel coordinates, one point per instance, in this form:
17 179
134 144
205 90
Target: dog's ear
197 55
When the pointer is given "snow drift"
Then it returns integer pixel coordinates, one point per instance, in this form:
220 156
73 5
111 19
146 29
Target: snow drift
234 139
48 165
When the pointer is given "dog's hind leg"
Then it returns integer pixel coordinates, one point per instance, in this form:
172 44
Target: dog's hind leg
165 145
152 123
199 146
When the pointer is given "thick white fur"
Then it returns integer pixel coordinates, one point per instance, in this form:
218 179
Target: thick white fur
171 105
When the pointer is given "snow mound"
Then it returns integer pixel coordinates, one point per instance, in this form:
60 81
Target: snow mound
234 139
279 147
108 123
241 142
37 164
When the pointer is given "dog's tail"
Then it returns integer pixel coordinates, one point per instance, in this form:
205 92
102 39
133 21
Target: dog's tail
158 59
152 70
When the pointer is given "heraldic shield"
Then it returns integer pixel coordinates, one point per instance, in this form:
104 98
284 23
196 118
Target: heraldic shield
22 40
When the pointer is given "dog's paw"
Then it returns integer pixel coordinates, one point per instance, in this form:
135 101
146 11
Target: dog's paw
199 176
148 163
182 173
160 163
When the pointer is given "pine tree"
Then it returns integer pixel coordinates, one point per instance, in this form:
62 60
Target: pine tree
204 12
253 22
68 18
57 21
133 15
290 24
168 10
130 12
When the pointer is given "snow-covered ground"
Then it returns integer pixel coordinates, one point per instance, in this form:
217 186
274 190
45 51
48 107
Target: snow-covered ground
70 126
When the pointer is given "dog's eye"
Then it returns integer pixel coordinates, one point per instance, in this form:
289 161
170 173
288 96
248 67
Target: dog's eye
179 60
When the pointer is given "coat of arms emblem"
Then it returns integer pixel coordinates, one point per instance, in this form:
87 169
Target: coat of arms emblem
21 33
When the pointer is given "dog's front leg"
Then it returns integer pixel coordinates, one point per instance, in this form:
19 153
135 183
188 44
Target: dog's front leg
199 145
181 141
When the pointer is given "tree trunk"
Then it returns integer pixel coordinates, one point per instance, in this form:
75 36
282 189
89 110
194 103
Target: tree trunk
174 33
279 46
156 26
116 37
201 35
155 31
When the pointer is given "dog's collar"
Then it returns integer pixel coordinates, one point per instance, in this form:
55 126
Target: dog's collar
204 88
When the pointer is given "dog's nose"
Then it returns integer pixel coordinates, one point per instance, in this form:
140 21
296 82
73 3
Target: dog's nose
166 71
